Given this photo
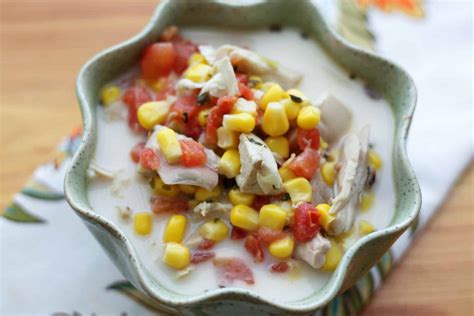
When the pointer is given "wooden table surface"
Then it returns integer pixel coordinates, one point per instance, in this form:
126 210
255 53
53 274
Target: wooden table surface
43 45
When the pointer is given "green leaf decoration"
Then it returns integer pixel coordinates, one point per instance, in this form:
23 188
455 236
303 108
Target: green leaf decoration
385 264
127 289
40 191
16 213
353 24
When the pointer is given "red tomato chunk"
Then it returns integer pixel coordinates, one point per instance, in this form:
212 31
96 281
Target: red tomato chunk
280 267
184 49
232 269
206 244
305 164
193 153
307 138
136 151
167 204
158 60
253 247
133 98
149 160
237 233
259 201
214 120
267 235
201 256
306 222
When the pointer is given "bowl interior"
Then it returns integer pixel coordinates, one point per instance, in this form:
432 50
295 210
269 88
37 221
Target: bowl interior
388 79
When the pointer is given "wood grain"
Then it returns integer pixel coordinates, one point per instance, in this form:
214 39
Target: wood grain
43 45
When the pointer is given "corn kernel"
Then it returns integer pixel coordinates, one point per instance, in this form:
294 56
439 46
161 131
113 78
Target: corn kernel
286 174
109 94
196 58
176 256
328 172
152 113
274 94
374 159
227 138
164 189
322 143
238 197
272 216
299 190
308 117
143 223
292 109
282 248
215 230
333 257
187 188
255 80
274 121
169 145
175 228
202 117
198 72
366 201
279 145
241 122
365 228
265 86
204 195
244 216
229 164
287 207
326 219
244 106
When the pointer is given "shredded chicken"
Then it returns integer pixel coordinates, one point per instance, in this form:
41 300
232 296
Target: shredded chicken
213 209
322 193
314 251
95 170
224 81
336 119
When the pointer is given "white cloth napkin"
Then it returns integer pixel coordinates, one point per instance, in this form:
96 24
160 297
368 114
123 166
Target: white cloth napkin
59 267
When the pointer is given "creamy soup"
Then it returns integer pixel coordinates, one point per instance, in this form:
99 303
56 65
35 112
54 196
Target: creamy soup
129 190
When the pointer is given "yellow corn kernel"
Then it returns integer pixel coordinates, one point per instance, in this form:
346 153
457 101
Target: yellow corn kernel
164 189
238 197
229 164
365 228
109 94
287 207
202 117
244 106
198 72
187 188
215 230
286 174
241 122
244 216
272 216
176 256
299 190
143 223
227 138
292 109
374 159
274 121
169 145
308 117
152 113
333 257
279 145
282 248
298 97
196 58
366 201
328 172
326 218
274 94
322 143
175 228
203 195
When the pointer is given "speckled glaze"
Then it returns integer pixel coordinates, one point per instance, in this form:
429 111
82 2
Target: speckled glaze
387 78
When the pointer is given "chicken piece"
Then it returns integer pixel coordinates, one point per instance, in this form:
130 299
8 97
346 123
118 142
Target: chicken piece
213 209
224 81
259 171
350 181
336 119
322 193
185 87
314 251
205 176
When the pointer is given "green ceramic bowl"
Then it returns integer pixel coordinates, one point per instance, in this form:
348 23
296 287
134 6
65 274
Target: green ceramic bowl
388 79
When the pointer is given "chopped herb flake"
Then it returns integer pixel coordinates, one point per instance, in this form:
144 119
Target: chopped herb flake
295 98
253 141
185 117
203 98
285 197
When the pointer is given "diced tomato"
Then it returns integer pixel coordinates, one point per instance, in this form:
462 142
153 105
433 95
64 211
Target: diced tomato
260 200
201 256
307 138
245 92
253 247
214 120
231 269
237 233
206 244
306 222
184 49
242 78
158 60
185 108
167 88
192 128
267 235
280 267
193 154
136 151
133 98
305 164
149 160
167 204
